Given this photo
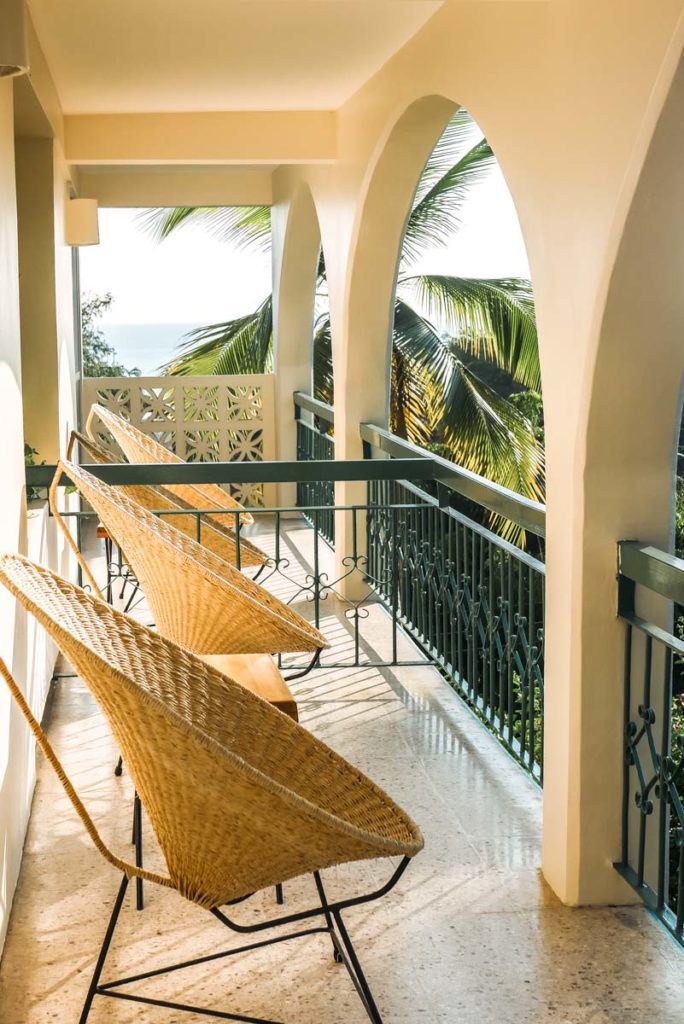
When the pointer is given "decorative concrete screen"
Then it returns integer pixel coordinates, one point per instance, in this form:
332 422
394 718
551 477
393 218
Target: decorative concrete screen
201 419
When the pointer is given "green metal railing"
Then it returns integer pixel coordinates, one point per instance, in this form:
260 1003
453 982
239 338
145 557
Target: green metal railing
652 858
316 443
471 600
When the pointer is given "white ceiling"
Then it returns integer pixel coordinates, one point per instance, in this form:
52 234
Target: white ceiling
110 56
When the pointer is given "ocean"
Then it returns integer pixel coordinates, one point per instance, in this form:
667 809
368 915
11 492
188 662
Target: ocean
145 346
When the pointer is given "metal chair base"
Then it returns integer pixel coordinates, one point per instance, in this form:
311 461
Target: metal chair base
333 926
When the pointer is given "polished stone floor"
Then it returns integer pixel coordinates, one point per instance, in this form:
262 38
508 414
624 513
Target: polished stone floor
472 935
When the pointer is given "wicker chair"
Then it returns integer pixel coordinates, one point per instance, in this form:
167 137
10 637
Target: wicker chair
239 796
139 447
214 535
196 598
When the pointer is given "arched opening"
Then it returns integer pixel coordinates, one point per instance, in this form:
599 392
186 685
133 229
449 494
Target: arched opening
322 376
363 343
465 374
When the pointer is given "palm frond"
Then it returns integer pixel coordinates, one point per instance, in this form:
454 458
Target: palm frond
486 434
323 383
450 405
248 227
493 319
419 342
243 345
436 215
460 135
407 399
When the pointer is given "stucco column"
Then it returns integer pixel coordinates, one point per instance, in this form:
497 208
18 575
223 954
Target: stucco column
362 332
39 343
296 244
611 478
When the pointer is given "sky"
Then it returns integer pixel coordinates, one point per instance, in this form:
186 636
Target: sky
189 278
192 279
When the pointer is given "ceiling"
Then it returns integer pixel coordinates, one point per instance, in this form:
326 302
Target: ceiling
128 56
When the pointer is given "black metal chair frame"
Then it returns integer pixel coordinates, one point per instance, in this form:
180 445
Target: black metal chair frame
334 926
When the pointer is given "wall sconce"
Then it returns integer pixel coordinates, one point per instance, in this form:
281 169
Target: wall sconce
13 52
81 226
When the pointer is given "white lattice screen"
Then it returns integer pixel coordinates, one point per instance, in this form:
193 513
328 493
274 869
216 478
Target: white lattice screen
202 419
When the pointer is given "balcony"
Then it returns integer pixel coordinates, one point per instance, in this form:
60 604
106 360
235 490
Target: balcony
434 686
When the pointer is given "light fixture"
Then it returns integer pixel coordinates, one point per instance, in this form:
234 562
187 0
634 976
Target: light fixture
81 227
13 52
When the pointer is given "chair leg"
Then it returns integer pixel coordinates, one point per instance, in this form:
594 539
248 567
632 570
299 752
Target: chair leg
138 840
97 973
129 602
280 898
110 572
337 956
357 976
118 771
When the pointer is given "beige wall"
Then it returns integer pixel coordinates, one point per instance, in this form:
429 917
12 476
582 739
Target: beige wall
36 209
177 186
38 333
568 94
15 771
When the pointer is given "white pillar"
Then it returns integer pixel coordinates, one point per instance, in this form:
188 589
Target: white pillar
362 335
296 245
610 479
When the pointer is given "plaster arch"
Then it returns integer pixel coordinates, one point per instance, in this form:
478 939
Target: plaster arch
623 468
361 349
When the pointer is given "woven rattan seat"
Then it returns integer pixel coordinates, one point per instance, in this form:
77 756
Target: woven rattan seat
196 598
240 797
139 447
212 534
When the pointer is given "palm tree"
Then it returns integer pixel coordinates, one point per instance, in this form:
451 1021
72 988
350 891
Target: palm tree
452 383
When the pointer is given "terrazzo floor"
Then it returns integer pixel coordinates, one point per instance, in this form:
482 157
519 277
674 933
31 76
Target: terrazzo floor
472 935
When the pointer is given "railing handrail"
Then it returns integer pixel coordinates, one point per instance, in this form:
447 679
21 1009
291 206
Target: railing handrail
658 571
162 474
310 404
528 514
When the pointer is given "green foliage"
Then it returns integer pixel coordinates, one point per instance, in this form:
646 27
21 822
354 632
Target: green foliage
247 226
30 453
98 356
458 392
679 517
243 345
530 404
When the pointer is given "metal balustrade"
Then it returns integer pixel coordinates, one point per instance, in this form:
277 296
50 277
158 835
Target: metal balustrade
316 443
421 582
652 859
472 601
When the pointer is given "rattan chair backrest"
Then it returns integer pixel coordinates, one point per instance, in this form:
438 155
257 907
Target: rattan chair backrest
215 536
140 447
197 599
240 797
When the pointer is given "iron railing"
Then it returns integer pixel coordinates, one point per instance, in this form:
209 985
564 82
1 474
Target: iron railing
471 600
301 565
652 858
316 443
